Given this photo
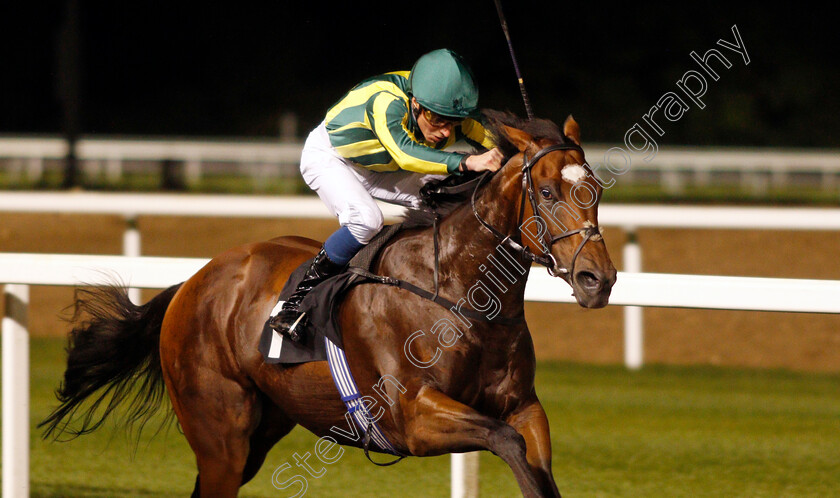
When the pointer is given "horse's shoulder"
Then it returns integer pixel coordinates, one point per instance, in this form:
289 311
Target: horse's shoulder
405 254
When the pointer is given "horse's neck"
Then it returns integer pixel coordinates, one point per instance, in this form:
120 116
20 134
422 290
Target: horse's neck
472 256
472 265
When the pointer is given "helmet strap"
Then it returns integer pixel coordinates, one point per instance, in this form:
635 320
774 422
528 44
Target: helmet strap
415 108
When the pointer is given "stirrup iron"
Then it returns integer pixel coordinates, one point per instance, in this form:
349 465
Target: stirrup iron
294 333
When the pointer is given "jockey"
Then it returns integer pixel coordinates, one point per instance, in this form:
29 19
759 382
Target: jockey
384 140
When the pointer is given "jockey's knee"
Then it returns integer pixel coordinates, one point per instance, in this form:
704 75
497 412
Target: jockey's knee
363 232
363 221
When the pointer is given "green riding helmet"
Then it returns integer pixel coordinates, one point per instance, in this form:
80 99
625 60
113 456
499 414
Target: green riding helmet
443 83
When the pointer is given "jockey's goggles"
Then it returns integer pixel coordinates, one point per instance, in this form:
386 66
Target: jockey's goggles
439 121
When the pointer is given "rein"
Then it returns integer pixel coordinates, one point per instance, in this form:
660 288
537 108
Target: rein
546 259
435 298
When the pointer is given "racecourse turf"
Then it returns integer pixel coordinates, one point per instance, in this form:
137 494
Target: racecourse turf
661 431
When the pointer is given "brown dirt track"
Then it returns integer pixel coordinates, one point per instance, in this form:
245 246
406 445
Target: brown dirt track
809 342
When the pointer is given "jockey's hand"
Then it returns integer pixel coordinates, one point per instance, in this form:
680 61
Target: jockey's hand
488 161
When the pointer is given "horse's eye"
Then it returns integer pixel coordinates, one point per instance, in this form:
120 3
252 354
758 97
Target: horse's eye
545 193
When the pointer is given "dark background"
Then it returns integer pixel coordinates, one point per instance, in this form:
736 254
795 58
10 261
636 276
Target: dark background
154 68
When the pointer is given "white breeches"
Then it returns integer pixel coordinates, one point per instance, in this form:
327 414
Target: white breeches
349 190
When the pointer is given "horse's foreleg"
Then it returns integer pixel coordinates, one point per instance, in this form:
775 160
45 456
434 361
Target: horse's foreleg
532 424
437 424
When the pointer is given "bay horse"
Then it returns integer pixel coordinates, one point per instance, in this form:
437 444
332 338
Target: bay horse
200 338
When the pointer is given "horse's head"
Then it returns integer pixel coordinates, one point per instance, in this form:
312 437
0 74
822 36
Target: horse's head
559 221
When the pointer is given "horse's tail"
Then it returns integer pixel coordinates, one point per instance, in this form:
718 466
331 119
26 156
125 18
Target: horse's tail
113 356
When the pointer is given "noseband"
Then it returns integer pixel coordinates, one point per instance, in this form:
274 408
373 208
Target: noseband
546 259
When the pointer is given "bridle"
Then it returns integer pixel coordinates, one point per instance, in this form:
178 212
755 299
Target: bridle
546 259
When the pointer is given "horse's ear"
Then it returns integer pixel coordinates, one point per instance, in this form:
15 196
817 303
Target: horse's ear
571 129
518 138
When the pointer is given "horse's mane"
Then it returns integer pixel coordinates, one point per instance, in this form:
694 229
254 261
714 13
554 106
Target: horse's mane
494 122
537 128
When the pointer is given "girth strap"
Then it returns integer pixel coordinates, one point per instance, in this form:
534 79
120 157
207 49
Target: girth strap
366 447
442 301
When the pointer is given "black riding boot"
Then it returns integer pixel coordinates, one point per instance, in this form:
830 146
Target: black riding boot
290 321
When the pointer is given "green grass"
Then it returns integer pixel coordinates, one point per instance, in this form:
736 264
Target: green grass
663 431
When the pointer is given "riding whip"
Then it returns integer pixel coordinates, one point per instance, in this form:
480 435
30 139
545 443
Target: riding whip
515 65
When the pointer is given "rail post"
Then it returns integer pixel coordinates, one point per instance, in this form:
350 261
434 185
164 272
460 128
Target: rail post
633 331
464 479
16 392
131 247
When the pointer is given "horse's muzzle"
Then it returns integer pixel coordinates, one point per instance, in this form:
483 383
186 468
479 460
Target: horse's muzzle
593 286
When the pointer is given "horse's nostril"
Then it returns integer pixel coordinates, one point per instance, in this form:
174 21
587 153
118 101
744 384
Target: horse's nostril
587 280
